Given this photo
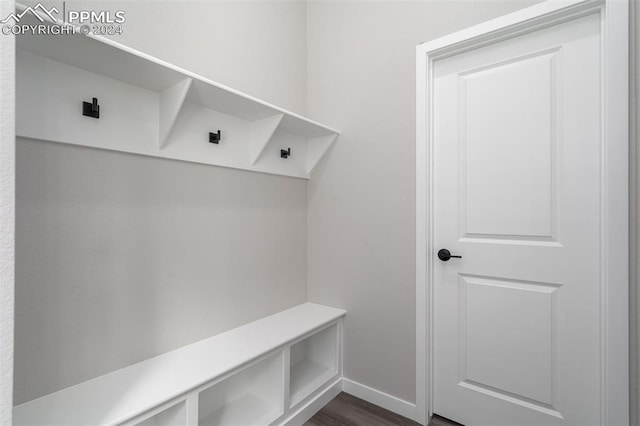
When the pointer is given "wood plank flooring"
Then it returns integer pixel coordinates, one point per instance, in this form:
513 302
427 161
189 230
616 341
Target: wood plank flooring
347 410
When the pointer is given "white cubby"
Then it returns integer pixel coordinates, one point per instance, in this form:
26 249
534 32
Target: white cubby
150 107
254 396
172 416
313 361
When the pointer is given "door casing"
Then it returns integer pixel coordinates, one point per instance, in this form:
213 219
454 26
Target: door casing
614 227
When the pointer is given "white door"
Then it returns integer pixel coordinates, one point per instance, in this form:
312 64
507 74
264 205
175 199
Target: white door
517 154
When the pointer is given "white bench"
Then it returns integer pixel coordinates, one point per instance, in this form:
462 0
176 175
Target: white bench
267 372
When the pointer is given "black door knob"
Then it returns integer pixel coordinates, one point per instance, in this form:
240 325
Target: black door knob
444 255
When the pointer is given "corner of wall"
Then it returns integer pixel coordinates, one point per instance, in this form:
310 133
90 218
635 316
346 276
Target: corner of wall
634 237
306 112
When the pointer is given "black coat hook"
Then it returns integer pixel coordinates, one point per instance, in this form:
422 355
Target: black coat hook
285 153
215 137
91 109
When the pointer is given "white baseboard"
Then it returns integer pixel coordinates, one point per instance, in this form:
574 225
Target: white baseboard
381 399
374 396
307 411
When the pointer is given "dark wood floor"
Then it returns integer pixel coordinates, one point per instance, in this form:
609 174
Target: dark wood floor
347 410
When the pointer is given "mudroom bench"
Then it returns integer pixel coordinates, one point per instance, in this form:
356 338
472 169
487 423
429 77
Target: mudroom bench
276 370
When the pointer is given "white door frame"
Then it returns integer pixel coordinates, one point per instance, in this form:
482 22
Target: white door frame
614 319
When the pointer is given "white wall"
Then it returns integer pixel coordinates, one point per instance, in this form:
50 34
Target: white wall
122 257
361 74
634 255
7 180
255 46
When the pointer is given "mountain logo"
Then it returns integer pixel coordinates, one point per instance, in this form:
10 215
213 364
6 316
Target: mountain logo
47 13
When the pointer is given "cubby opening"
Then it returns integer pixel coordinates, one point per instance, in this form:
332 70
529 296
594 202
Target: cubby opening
253 396
313 361
172 416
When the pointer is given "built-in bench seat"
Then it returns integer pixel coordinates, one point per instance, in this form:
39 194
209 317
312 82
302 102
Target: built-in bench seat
265 372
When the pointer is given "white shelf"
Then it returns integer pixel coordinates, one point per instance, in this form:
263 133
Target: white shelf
130 392
253 396
173 416
247 410
150 107
307 376
314 361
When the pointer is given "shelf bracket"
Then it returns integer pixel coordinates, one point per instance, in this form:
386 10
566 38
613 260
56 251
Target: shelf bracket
171 101
261 132
316 149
